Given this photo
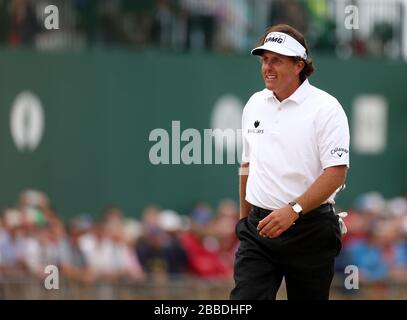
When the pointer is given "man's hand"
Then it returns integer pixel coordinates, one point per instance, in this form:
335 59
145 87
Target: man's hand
277 222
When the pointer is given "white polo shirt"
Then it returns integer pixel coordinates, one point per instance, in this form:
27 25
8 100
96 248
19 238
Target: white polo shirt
289 143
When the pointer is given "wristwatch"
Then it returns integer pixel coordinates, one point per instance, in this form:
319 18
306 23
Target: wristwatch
297 208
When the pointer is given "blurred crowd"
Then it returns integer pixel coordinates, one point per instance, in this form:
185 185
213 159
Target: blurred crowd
161 245
231 26
376 241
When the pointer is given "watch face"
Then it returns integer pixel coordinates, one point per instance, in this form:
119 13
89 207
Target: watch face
296 207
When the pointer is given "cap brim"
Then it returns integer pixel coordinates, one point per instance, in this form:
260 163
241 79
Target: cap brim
272 47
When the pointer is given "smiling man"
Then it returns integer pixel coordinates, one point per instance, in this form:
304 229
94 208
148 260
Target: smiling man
295 159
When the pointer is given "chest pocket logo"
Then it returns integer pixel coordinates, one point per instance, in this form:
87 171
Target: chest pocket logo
257 131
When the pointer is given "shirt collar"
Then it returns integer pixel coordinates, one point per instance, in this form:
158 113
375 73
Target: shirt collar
298 95
301 93
268 94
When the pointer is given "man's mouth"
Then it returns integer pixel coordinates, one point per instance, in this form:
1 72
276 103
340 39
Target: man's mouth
270 77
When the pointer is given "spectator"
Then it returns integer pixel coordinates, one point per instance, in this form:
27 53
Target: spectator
233 26
73 261
164 23
99 252
201 20
291 12
202 246
159 249
22 25
137 22
176 259
224 231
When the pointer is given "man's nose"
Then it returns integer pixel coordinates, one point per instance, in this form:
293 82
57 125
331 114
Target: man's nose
269 66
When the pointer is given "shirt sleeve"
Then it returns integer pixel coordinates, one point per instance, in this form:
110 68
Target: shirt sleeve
333 136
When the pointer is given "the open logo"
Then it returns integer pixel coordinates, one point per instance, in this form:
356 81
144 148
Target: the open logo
27 121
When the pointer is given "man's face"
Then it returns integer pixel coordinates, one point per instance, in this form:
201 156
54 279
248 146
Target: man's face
280 73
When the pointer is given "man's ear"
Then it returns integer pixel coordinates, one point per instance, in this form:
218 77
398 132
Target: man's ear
299 66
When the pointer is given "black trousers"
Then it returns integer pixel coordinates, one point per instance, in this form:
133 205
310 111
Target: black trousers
304 255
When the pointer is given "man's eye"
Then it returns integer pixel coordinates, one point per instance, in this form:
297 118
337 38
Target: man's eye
272 61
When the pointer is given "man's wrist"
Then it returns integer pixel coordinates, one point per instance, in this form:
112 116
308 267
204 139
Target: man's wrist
296 208
293 214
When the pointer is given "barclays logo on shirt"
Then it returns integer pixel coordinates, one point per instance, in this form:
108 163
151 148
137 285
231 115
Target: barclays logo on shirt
258 131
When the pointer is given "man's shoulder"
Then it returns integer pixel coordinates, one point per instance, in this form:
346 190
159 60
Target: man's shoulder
324 101
260 95
322 95
257 97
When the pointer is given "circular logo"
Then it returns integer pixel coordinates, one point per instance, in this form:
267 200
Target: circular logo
226 120
27 121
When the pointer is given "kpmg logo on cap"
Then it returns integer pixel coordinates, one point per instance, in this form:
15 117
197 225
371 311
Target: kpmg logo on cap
275 38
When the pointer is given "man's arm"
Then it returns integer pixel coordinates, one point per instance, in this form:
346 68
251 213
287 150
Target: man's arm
244 205
326 184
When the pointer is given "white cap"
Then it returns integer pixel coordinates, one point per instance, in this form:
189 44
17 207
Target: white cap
281 43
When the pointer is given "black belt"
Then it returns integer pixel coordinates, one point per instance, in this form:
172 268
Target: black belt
322 209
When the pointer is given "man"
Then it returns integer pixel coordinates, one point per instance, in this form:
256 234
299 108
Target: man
295 158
